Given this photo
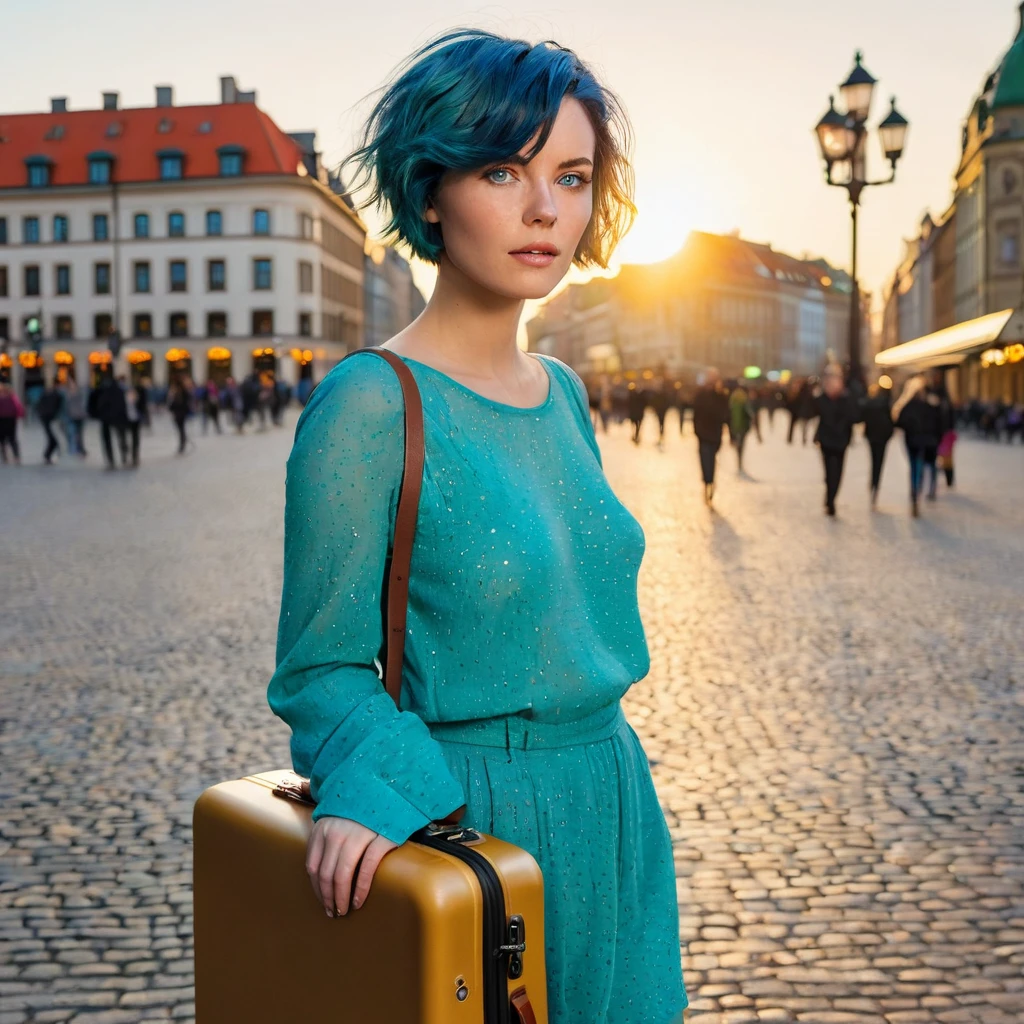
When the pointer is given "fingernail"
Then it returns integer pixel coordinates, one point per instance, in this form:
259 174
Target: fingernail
357 903
328 912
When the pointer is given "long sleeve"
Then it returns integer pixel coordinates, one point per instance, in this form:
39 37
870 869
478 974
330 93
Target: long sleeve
366 760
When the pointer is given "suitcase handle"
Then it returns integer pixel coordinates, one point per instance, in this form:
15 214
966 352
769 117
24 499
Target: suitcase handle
523 1008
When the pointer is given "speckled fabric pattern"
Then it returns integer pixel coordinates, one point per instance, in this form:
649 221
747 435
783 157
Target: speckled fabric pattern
523 623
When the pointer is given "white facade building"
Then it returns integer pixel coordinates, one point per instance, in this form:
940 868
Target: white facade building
209 240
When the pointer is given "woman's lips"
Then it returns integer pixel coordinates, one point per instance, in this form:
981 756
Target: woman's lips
534 259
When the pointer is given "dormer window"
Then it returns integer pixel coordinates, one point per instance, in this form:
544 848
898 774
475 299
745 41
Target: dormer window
171 164
231 158
38 171
100 164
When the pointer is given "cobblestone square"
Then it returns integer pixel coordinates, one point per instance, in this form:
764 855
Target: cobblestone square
834 716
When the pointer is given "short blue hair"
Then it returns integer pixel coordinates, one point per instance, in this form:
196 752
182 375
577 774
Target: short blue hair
469 98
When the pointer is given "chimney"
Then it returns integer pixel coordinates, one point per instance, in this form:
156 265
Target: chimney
165 95
228 89
58 105
247 97
110 101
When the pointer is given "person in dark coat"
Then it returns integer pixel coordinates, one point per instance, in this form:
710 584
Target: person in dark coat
878 429
107 404
660 397
837 414
945 415
179 405
637 403
710 415
48 409
919 419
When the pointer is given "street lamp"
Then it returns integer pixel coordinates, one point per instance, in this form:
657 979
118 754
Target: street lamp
842 139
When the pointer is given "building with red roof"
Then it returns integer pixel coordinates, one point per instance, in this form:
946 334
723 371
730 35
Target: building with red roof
203 238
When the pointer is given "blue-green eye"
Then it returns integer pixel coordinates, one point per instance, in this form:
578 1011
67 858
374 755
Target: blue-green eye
580 180
498 170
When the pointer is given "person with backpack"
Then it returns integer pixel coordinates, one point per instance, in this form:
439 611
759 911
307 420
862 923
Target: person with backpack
48 409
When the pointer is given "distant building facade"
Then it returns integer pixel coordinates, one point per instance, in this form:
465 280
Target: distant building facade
392 299
970 263
721 300
211 241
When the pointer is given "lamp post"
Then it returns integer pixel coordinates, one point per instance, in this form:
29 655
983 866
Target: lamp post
843 142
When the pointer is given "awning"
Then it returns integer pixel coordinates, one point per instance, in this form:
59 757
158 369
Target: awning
950 346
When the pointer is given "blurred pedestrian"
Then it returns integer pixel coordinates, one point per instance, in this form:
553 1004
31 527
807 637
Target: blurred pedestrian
133 417
938 397
878 429
235 401
74 413
11 410
710 416
637 407
837 414
107 404
919 421
49 408
211 405
660 398
179 405
742 416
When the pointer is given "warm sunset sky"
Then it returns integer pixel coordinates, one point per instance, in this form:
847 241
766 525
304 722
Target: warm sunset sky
723 93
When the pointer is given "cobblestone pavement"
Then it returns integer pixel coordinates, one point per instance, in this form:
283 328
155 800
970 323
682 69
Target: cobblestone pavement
834 716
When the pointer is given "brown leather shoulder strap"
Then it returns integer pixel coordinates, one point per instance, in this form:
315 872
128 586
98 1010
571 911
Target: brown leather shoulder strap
405 522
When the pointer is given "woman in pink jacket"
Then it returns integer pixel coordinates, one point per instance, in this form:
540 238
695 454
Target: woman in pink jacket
11 410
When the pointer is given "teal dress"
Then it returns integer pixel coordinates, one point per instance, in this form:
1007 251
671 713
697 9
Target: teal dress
523 634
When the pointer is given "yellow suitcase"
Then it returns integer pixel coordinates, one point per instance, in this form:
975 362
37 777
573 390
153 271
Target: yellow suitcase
452 931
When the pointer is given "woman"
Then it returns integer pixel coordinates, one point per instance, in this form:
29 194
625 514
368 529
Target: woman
742 417
919 421
499 162
878 429
710 415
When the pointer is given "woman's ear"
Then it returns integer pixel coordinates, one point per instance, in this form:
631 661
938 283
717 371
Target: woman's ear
430 214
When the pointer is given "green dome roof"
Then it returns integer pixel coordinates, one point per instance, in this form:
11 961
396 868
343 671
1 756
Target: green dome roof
1010 87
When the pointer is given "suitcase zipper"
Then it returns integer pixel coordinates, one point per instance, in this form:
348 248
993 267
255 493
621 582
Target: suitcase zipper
504 942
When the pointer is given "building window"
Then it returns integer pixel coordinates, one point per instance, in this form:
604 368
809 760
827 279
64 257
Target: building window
214 222
3 230
3 282
60 227
142 225
178 325
142 326
100 227
141 276
5 328
305 277
30 230
262 322
261 275
102 325
31 279
216 325
305 225
64 328
170 168
179 276
101 278
38 174
261 222
99 171
230 165
306 325
63 279
176 225
216 276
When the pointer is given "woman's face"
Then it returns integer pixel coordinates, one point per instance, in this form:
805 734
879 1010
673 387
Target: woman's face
489 214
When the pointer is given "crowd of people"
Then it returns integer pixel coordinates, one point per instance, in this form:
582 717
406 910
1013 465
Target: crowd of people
122 410
831 405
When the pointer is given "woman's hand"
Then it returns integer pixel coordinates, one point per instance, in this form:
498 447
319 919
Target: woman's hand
336 847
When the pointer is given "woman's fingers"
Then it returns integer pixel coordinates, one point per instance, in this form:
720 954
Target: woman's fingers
314 855
344 873
328 867
371 859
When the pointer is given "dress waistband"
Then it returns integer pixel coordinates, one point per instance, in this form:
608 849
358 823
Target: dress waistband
515 732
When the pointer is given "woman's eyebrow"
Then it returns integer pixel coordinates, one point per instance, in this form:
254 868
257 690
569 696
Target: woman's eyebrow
575 162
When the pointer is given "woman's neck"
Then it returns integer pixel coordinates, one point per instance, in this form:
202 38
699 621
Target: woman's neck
465 327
